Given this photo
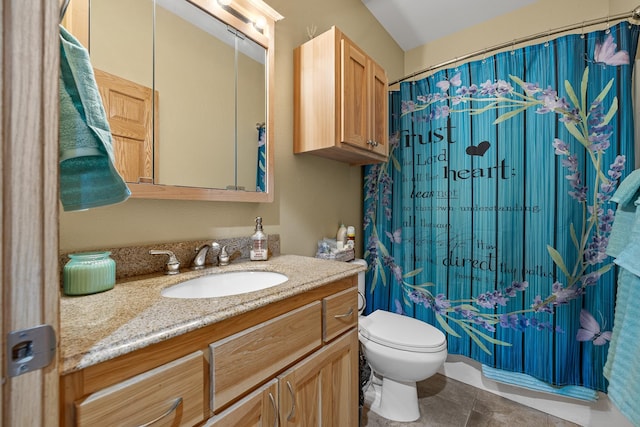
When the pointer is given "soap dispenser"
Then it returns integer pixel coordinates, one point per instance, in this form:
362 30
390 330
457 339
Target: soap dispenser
259 250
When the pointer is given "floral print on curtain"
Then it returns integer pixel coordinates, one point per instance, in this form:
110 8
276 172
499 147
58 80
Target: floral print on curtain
491 218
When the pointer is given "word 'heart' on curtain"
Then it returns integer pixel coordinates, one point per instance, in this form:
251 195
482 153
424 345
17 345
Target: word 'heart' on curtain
491 218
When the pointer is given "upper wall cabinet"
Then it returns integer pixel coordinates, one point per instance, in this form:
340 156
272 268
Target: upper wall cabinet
340 101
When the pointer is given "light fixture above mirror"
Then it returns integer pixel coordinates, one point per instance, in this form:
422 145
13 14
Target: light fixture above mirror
260 22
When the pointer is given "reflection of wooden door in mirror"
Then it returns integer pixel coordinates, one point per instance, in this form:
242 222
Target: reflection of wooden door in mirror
129 107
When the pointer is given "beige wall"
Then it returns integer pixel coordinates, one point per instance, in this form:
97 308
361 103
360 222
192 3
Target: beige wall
541 16
311 194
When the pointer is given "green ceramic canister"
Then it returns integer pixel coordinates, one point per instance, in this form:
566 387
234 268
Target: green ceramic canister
88 273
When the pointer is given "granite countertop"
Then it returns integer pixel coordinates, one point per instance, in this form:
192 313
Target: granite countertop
99 327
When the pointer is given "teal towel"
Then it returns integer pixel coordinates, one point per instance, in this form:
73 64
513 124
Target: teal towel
88 178
622 223
628 257
621 368
627 193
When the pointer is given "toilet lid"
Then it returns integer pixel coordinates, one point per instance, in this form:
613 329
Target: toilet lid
401 332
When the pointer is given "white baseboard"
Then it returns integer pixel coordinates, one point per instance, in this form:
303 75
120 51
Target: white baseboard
599 413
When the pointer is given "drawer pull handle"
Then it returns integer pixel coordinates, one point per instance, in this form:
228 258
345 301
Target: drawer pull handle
275 410
293 402
347 314
175 405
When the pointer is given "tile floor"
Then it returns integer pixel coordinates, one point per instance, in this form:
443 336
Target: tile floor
445 402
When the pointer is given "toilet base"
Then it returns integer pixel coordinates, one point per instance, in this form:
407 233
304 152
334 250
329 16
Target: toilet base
393 400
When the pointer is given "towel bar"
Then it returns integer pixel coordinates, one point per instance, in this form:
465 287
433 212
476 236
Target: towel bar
63 8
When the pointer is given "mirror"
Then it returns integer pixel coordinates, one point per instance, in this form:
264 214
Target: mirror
211 85
197 126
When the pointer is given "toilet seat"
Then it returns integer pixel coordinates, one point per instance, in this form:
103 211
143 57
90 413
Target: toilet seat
401 332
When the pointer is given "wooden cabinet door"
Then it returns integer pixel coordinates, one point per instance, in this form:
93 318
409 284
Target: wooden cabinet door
355 87
322 390
259 409
378 104
130 108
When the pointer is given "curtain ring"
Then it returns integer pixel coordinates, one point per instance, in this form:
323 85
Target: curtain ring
608 30
582 31
546 43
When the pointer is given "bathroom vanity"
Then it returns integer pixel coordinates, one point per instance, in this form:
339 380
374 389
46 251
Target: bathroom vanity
288 353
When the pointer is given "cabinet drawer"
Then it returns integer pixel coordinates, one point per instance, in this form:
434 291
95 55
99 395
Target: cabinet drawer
250 357
339 313
170 395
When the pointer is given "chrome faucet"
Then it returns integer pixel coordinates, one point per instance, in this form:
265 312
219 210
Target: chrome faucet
201 255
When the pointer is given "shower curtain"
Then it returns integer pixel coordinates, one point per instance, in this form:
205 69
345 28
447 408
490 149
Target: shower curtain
491 218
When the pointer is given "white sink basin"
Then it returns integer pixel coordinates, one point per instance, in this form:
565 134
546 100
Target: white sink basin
225 284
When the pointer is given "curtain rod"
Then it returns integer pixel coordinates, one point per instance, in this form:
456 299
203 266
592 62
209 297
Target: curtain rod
634 14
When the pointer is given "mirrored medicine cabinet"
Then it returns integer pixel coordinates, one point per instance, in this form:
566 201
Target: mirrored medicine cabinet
188 90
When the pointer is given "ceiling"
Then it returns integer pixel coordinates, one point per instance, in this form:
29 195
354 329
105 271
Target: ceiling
413 23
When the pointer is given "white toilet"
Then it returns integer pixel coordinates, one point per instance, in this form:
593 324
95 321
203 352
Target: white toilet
401 351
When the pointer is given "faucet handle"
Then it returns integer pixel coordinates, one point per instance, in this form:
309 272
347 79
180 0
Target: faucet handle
172 266
223 257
